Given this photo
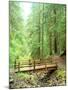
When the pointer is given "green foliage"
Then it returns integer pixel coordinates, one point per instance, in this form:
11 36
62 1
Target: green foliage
61 74
42 35
23 75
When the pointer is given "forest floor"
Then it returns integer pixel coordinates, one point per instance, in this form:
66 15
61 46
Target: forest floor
40 79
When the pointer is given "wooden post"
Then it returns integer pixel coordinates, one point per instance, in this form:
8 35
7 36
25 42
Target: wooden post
29 63
15 64
46 67
56 65
34 65
18 66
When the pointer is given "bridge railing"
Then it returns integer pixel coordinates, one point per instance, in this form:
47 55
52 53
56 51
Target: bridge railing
30 63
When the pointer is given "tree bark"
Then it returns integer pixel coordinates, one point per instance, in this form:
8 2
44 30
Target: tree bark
55 33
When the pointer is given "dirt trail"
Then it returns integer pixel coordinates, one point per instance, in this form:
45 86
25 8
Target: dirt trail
61 61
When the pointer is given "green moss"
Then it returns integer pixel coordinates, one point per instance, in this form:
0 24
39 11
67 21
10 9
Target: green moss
22 75
60 74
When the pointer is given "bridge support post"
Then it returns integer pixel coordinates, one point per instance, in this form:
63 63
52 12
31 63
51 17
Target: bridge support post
46 67
19 67
34 65
29 63
15 64
56 65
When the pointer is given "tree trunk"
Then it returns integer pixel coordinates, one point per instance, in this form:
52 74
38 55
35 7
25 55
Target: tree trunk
55 33
50 43
39 35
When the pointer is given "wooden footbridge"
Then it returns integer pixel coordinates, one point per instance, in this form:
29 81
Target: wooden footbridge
34 65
